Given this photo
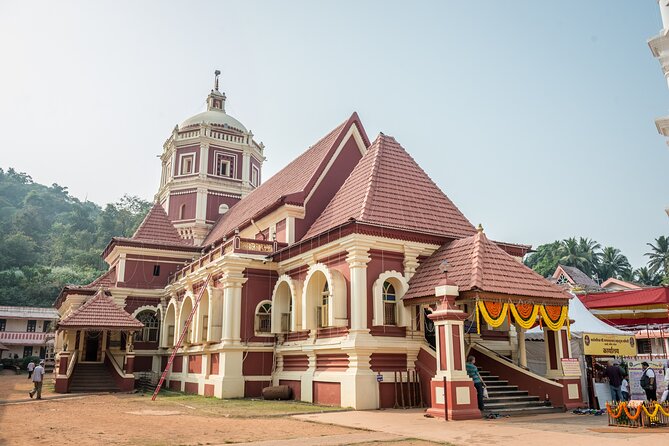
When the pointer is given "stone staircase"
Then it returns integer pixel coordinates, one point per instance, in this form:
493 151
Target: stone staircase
91 378
506 399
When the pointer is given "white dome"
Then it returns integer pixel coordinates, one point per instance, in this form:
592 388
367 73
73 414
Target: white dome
217 117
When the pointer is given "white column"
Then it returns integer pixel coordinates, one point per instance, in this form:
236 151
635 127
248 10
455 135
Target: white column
410 262
522 349
120 270
232 305
201 205
246 168
357 263
290 230
204 160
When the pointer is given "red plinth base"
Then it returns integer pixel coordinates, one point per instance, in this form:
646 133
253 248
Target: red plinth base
458 402
575 385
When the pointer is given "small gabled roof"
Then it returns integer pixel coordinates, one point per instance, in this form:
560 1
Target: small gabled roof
478 264
576 276
157 228
291 185
387 187
100 312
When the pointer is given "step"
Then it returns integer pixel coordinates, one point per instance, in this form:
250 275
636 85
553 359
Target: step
497 383
495 392
525 411
511 399
495 406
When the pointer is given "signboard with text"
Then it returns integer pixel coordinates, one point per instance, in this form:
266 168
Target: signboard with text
608 345
571 367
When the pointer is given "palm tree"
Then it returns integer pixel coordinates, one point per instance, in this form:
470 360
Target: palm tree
591 251
645 276
659 256
613 263
572 255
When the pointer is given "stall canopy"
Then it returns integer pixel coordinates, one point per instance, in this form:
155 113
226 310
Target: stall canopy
647 306
584 322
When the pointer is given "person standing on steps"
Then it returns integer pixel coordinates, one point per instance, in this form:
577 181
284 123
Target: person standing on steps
31 367
473 373
38 378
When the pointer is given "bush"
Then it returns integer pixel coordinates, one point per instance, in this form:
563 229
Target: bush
24 362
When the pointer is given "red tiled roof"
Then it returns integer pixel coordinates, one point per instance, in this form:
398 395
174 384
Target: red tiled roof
290 185
477 263
157 228
106 280
100 312
387 187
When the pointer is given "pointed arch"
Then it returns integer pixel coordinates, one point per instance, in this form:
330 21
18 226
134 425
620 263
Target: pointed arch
286 305
169 324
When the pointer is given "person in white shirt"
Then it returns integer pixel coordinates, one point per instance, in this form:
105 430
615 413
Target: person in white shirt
31 367
665 394
625 388
38 377
648 383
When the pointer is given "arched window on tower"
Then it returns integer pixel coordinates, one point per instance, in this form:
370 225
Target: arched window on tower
264 317
182 211
151 326
389 304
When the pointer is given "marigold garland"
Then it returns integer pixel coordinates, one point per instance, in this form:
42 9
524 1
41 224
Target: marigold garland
554 316
494 313
622 407
525 315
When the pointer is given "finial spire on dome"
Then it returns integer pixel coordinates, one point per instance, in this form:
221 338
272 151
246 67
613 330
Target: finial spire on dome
216 74
480 228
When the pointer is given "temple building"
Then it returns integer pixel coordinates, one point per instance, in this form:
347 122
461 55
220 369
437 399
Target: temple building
348 276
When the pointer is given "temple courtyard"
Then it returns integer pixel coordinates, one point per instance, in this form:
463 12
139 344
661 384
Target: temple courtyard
176 419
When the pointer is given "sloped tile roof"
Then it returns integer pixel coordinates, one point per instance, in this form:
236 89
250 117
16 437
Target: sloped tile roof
477 263
157 228
100 312
579 277
389 188
106 280
290 185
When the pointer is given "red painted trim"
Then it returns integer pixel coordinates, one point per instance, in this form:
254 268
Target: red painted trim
295 387
213 366
175 385
209 390
332 332
552 354
328 394
297 363
442 348
334 361
457 348
388 362
191 388
565 344
388 330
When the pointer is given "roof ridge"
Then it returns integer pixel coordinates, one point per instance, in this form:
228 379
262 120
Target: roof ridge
476 280
373 174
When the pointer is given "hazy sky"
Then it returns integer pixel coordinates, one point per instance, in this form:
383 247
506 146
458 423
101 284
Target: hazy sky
536 118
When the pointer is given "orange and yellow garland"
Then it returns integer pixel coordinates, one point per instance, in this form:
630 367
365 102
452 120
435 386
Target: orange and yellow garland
622 407
495 313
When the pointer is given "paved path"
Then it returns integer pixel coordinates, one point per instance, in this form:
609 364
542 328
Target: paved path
329 440
548 430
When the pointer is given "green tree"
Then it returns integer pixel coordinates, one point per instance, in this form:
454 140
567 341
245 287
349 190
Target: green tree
545 258
645 276
613 263
659 256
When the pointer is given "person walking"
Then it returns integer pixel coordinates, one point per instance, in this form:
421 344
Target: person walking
31 367
473 373
615 375
648 383
38 378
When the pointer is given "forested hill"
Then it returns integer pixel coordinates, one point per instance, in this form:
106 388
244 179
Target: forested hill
49 238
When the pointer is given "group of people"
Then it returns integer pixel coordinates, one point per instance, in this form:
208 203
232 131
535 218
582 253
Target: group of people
620 386
36 373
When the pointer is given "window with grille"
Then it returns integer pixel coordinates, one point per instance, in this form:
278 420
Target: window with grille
223 167
205 322
562 280
170 335
323 312
264 318
643 346
150 331
389 304
3 324
27 351
32 326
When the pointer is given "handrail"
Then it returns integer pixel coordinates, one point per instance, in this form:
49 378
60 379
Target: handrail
70 366
115 364
495 356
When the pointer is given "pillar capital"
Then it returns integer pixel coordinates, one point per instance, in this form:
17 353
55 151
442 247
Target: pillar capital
358 256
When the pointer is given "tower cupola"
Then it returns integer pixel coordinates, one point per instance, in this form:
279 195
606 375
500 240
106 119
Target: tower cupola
209 163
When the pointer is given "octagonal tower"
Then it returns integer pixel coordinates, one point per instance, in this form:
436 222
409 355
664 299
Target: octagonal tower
208 164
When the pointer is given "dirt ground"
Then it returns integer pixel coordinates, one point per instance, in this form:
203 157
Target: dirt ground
133 419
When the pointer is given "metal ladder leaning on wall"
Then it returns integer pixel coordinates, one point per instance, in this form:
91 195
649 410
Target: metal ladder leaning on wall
184 331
